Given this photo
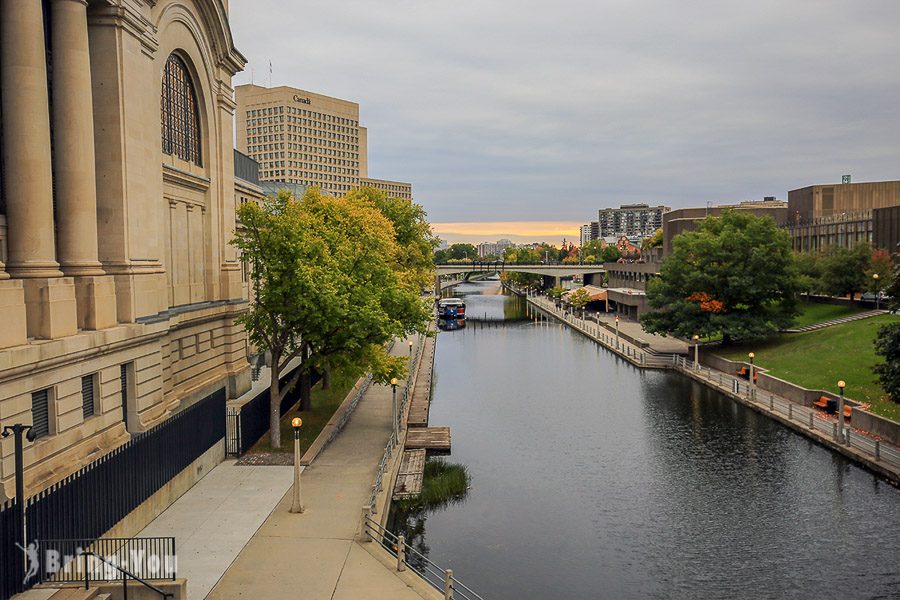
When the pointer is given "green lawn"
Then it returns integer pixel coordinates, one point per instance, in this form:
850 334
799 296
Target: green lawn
324 404
816 312
818 359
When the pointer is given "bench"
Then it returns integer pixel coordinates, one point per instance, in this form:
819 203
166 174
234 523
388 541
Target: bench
822 402
848 411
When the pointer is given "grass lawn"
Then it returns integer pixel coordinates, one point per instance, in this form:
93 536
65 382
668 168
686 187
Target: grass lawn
324 403
816 312
818 359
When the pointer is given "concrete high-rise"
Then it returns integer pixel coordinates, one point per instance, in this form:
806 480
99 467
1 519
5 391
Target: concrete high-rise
300 137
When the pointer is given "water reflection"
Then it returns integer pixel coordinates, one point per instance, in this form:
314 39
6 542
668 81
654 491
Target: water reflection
593 479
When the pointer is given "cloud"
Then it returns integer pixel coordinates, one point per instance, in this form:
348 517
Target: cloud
522 110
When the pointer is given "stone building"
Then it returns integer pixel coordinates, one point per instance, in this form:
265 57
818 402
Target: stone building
119 287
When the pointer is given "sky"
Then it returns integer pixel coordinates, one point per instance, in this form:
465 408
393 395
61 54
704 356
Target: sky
509 111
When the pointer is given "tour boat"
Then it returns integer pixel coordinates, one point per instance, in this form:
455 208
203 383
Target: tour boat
451 308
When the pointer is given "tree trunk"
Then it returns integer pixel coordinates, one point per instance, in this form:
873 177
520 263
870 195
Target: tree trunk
305 384
726 339
326 379
275 405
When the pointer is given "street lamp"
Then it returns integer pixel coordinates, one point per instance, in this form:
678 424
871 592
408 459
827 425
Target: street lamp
752 356
410 348
875 277
696 339
297 502
394 409
840 411
617 332
17 430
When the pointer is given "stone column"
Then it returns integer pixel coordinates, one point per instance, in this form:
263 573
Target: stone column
26 140
74 165
49 298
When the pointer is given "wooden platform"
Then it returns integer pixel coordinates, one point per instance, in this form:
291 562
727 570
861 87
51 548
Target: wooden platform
409 478
420 404
435 440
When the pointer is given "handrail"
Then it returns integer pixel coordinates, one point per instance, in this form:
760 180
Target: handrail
438 578
125 574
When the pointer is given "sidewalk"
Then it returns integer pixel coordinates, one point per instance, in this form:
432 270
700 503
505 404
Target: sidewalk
314 555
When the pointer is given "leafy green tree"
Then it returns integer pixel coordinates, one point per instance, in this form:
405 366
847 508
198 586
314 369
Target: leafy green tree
893 289
735 275
462 252
556 292
654 241
844 270
878 275
887 345
331 287
610 254
809 267
579 298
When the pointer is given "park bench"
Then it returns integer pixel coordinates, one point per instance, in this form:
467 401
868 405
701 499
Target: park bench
743 373
822 402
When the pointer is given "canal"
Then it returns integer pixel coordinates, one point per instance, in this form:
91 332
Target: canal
594 479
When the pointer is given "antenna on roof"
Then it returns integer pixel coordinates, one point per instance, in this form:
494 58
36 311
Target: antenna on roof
251 76
270 72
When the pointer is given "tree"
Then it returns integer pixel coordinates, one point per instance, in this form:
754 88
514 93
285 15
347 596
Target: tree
887 345
462 252
892 291
809 267
556 292
878 275
610 254
331 287
579 298
844 270
735 275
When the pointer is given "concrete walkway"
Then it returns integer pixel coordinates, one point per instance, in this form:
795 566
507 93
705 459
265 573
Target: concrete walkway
314 555
212 522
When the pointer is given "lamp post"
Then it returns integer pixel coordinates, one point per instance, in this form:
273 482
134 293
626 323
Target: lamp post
617 332
840 411
394 409
875 278
696 339
752 356
297 502
17 430
410 349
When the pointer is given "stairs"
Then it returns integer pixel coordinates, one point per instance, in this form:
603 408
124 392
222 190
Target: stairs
824 324
79 594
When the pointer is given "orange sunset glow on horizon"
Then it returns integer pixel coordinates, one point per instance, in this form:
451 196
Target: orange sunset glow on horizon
517 231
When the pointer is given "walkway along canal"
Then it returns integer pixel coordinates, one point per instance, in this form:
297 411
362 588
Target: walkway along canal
593 478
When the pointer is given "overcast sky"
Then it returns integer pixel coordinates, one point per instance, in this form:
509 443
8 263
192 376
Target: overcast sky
545 111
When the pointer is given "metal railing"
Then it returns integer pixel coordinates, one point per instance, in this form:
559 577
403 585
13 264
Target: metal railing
392 443
349 412
123 572
813 419
143 557
440 579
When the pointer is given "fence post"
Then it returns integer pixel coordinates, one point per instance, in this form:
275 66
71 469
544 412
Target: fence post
364 529
401 552
790 411
834 430
771 402
448 584
811 426
877 450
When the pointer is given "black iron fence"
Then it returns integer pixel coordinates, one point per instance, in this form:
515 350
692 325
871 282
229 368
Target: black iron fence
86 504
249 422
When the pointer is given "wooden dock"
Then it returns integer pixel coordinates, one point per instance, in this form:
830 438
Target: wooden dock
435 440
409 478
420 404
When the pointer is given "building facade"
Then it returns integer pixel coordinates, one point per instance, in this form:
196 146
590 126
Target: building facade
590 232
301 138
843 214
682 220
120 288
632 220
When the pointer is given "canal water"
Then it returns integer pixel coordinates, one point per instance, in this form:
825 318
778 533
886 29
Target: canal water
594 479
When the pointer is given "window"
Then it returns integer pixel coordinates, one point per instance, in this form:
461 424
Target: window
123 377
88 387
179 112
40 413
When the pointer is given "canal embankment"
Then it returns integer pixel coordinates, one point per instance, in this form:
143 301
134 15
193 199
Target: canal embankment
875 453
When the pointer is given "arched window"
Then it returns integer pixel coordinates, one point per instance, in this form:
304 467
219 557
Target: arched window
179 114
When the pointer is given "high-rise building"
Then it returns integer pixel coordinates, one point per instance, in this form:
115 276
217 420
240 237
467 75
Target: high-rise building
590 231
301 138
631 220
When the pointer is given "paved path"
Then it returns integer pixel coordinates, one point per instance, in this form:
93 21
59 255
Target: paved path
824 324
212 522
313 556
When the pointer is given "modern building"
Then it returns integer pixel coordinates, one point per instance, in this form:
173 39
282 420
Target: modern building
494 248
886 229
838 214
590 232
681 220
632 220
301 138
119 287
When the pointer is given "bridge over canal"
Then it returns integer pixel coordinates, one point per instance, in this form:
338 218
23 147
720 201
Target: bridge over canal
552 273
